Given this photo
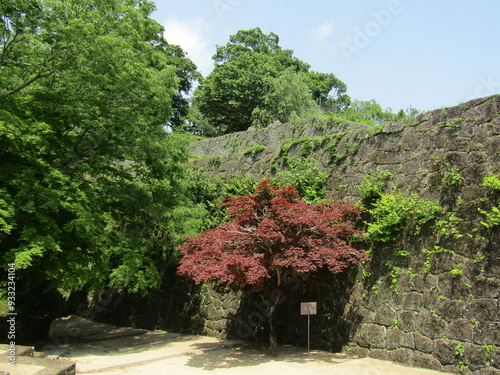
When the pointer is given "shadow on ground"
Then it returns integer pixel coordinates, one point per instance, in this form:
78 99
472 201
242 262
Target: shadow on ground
224 356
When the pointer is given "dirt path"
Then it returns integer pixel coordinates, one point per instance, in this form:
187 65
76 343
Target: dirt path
108 350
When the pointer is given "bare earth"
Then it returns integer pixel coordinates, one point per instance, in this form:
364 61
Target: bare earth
109 350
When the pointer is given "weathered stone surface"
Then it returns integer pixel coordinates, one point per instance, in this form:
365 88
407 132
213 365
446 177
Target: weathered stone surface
444 351
450 310
402 355
430 325
486 287
423 343
426 361
359 351
453 287
371 336
414 301
461 329
385 315
483 310
487 333
431 299
396 339
475 356
487 371
407 321
495 357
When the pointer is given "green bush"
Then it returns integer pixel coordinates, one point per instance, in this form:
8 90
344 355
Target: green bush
394 212
306 175
373 184
452 177
254 150
492 181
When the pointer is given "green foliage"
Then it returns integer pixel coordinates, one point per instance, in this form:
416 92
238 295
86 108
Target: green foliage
394 212
373 184
254 150
452 176
256 81
306 175
93 190
287 99
492 217
372 113
457 272
448 226
492 181
210 192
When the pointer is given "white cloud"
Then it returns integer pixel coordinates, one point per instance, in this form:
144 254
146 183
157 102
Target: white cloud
191 36
322 32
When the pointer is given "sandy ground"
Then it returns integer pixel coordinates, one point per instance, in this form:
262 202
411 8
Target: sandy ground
112 351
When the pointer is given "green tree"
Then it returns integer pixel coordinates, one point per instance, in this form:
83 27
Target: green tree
228 96
187 73
245 70
322 85
287 98
92 188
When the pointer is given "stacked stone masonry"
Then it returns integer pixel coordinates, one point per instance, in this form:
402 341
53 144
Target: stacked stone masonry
442 310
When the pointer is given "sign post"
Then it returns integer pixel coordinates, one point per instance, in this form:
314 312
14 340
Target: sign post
308 308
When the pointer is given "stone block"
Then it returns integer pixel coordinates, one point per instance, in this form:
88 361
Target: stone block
486 288
431 299
423 282
483 310
407 321
384 315
444 350
487 371
414 301
452 286
397 339
371 336
450 310
430 325
402 355
428 361
475 356
487 333
381 354
359 351
423 343
461 329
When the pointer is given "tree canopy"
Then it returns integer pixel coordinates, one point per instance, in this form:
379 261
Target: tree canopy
250 72
92 188
270 235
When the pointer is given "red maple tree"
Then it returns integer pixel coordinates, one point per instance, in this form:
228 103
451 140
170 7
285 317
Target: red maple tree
270 234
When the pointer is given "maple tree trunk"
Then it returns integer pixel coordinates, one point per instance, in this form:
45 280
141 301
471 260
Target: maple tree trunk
273 341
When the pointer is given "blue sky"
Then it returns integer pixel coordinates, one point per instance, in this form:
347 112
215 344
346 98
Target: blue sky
427 54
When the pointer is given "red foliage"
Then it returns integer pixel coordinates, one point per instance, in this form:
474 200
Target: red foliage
271 231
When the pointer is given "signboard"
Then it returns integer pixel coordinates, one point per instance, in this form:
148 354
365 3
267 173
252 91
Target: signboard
308 308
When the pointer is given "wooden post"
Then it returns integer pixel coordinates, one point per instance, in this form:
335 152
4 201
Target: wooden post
308 308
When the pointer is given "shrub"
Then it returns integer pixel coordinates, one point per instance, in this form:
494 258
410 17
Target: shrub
306 175
393 212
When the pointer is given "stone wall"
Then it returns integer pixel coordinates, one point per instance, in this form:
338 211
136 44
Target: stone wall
429 299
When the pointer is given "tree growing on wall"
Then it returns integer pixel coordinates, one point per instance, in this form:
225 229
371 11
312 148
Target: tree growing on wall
270 236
